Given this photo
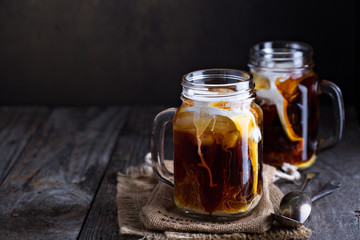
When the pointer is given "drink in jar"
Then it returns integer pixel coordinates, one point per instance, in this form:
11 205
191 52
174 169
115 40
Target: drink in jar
287 90
217 134
216 154
290 106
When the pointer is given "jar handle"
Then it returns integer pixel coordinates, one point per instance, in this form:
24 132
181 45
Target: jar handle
157 146
332 90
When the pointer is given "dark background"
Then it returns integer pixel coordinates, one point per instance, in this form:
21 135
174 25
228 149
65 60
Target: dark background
67 52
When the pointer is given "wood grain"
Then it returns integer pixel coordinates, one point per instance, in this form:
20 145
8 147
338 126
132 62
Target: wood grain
17 127
133 144
59 167
330 214
48 192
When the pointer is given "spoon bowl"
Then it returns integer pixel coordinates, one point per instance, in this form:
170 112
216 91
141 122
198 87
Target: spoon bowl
296 206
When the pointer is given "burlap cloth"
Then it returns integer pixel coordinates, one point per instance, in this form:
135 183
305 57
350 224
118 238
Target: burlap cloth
146 208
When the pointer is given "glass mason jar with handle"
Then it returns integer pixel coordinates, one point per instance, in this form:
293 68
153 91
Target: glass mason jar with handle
287 90
217 134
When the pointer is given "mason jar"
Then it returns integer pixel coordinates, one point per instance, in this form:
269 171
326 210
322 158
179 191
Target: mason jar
287 89
217 137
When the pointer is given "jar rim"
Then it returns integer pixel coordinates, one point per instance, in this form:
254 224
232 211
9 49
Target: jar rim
209 84
281 55
283 47
194 78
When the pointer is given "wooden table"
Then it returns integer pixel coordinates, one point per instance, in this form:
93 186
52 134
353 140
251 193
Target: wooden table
58 171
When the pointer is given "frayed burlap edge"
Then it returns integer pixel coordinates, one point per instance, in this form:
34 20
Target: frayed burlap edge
133 191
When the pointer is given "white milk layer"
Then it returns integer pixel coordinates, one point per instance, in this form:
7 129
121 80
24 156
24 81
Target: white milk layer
272 95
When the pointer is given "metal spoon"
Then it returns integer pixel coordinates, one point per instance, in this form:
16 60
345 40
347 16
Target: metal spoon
296 206
298 196
291 200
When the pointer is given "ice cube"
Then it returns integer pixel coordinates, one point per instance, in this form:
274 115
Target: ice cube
222 90
206 139
184 121
261 82
231 138
223 125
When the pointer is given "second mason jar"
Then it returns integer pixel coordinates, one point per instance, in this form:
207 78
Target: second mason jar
217 145
287 89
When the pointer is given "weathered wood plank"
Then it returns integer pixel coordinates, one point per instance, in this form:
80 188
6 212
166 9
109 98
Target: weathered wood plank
48 192
133 144
333 216
17 126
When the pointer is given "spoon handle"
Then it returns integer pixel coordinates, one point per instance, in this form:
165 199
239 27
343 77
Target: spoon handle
328 188
308 177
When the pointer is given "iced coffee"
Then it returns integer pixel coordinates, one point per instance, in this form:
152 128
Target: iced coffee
217 134
290 106
287 90
216 154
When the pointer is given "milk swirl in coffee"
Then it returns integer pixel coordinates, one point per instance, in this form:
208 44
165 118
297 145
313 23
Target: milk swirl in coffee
290 121
217 154
217 135
287 89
